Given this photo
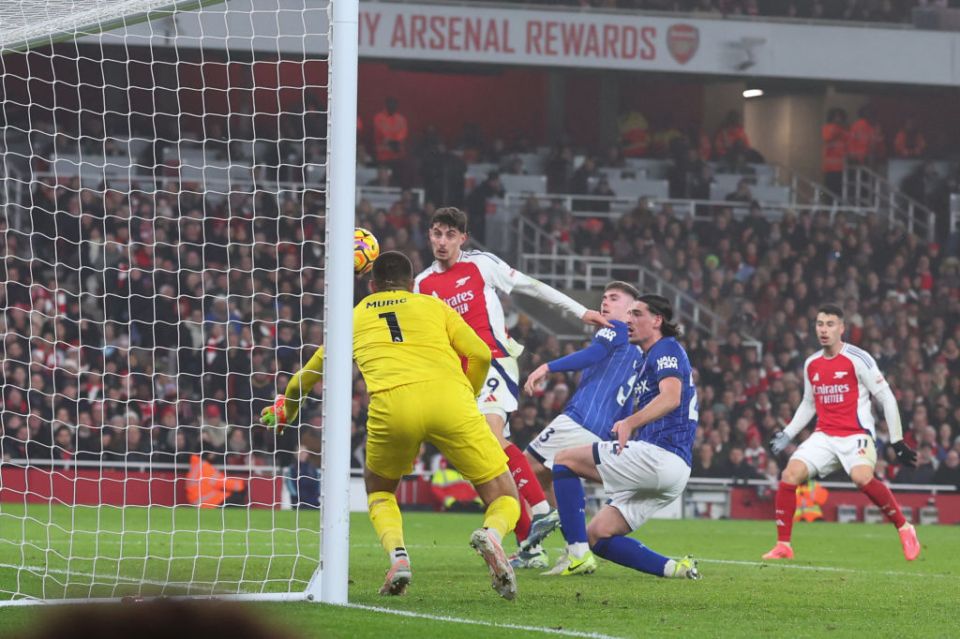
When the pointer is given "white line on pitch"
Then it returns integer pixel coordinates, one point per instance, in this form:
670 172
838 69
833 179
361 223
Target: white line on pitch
765 564
40 571
477 622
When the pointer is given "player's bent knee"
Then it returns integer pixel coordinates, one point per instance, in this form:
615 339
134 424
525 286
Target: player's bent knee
500 486
795 472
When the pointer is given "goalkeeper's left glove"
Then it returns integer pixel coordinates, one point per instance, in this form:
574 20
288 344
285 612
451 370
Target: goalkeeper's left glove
905 454
275 416
779 442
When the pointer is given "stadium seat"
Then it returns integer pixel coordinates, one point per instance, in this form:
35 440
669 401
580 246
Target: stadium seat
929 515
872 515
847 513
524 183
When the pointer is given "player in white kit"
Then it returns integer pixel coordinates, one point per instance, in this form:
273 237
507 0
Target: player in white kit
838 383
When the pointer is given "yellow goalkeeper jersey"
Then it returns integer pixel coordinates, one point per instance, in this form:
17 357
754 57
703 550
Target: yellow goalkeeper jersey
402 338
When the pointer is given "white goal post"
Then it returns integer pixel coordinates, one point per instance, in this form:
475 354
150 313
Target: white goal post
177 196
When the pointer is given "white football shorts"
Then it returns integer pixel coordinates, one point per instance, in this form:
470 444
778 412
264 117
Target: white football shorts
501 389
561 433
824 454
641 480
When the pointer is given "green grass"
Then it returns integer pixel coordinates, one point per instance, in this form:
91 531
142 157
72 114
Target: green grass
848 579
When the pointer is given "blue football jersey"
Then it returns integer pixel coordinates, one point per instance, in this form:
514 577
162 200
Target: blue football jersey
675 430
606 387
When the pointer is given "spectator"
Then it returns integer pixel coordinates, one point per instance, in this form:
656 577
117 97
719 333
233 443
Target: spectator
742 192
924 471
865 143
926 185
948 473
834 135
706 464
477 203
731 135
909 141
739 467
390 135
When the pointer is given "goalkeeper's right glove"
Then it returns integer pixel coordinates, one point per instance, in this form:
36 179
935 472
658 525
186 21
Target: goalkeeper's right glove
779 442
905 454
275 416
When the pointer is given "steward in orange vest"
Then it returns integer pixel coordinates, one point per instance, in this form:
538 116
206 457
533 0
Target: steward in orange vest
834 151
390 133
865 144
206 486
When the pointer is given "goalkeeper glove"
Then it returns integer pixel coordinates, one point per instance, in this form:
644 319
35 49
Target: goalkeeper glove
779 442
275 416
905 454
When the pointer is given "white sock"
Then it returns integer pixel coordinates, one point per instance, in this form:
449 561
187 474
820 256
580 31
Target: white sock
398 553
578 550
496 535
540 509
669 567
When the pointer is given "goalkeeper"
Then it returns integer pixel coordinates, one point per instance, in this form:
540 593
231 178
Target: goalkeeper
408 348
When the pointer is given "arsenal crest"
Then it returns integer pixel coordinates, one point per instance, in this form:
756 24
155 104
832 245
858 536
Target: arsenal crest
682 42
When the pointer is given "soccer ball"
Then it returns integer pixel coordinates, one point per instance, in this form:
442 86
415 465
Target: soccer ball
366 249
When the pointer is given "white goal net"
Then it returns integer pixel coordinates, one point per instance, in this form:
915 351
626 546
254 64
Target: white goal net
163 184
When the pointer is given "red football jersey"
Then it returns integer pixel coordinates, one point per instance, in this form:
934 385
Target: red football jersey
840 387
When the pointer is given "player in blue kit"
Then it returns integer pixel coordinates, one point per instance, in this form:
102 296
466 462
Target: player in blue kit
602 398
648 465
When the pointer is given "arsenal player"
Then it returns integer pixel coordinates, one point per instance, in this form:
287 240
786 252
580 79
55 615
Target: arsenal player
469 282
838 383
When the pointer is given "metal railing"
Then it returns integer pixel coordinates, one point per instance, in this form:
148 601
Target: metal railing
542 256
864 187
613 207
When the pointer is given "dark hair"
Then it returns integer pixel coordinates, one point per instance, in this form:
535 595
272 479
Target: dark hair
623 287
659 305
392 270
831 309
451 216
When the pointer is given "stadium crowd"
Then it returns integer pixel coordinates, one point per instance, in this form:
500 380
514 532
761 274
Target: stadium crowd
144 325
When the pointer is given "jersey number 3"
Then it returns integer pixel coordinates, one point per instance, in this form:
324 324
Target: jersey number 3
391 319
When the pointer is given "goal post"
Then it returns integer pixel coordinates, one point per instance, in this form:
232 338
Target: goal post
338 366
177 189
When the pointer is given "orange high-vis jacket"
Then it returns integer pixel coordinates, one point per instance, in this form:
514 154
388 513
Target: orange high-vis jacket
389 128
865 140
904 147
207 487
727 137
834 150
634 134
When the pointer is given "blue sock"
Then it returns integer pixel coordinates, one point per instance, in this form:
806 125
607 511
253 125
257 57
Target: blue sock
629 552
570 503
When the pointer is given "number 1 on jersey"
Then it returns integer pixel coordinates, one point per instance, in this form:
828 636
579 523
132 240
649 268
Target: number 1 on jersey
391 319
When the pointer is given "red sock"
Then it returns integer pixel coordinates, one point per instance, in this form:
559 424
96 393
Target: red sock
522 529
785 506
523 475
879 494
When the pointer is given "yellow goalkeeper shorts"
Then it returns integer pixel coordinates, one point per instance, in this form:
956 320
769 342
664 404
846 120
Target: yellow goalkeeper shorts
443 413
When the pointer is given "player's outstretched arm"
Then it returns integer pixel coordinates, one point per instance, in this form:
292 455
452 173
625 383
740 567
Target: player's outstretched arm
667 400
468 344
284 411
603 343
509 280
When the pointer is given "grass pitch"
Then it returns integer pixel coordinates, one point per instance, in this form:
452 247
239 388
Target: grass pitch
847 579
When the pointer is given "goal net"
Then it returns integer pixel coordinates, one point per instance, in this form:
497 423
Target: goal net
163 184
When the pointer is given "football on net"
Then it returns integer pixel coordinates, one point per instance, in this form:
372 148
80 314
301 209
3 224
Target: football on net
366 249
